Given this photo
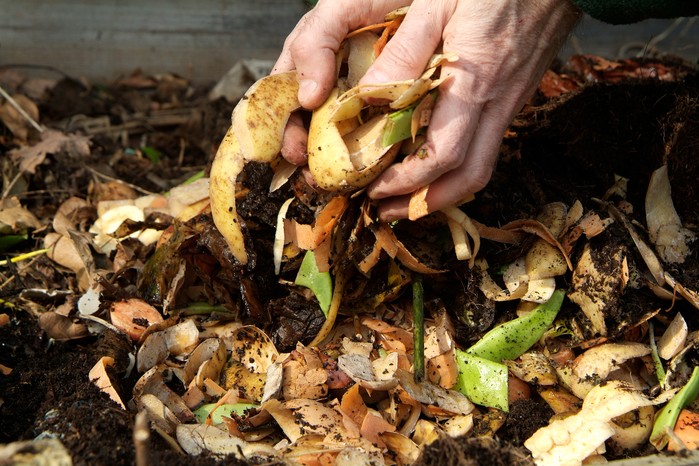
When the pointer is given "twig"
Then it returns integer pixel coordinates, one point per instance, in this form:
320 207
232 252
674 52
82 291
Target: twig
110 178
141 435
11 185
418 330
21 111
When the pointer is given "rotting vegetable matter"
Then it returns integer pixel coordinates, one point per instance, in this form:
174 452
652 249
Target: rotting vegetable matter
363 365
350 143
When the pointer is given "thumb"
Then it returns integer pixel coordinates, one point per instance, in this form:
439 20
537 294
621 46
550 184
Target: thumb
407 53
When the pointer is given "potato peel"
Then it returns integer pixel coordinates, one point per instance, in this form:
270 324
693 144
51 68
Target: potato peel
334 165
260 117
224 171
255 135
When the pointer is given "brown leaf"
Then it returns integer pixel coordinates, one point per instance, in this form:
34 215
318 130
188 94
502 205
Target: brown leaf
73 253
15 218
15 122
52 142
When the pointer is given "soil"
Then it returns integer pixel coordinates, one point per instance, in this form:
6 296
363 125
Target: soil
563 148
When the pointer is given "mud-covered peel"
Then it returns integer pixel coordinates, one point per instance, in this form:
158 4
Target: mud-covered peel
255 135
225 169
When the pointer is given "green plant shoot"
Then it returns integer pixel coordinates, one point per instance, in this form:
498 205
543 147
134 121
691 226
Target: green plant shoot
667 417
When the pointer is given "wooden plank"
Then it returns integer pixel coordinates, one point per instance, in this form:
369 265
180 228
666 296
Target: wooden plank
100 39
202 39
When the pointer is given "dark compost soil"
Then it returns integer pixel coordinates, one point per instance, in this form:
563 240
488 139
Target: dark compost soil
562 148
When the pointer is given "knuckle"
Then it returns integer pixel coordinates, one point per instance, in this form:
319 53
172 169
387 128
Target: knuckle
400 57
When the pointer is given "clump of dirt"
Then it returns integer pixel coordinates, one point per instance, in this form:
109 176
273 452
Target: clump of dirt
525 417
472 452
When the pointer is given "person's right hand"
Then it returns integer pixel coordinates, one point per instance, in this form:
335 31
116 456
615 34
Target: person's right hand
310 49
503 49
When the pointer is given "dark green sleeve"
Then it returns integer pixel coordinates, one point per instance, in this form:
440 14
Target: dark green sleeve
631 11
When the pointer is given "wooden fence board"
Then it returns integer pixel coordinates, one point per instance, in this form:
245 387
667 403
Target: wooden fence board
100 39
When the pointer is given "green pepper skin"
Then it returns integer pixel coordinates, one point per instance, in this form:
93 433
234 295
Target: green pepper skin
320 283
511 339
482 376
225 410
483 382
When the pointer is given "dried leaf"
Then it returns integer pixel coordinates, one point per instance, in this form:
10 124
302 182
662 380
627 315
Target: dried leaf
14 218
52 142
72 253
430 394
360 369
304 375
13 119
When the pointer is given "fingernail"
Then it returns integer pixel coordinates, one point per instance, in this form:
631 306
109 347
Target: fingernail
375 77
307 87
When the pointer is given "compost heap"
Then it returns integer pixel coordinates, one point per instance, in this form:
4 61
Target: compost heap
550 319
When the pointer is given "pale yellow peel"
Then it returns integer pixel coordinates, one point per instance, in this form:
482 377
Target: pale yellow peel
351 102
334 166
225 169
260 117
255 135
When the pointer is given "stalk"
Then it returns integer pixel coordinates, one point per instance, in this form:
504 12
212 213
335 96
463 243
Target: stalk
418 330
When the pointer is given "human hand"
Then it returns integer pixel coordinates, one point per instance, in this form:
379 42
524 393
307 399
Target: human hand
310 49
504 47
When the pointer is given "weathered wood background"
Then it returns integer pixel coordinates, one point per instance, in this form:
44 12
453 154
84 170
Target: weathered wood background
202 39
102 39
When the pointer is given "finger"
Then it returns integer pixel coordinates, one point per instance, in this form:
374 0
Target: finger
284 61
295 141
314 48
407 53
473 174
308 177
454 122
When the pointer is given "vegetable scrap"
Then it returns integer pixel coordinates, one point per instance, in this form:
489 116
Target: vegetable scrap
268 320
